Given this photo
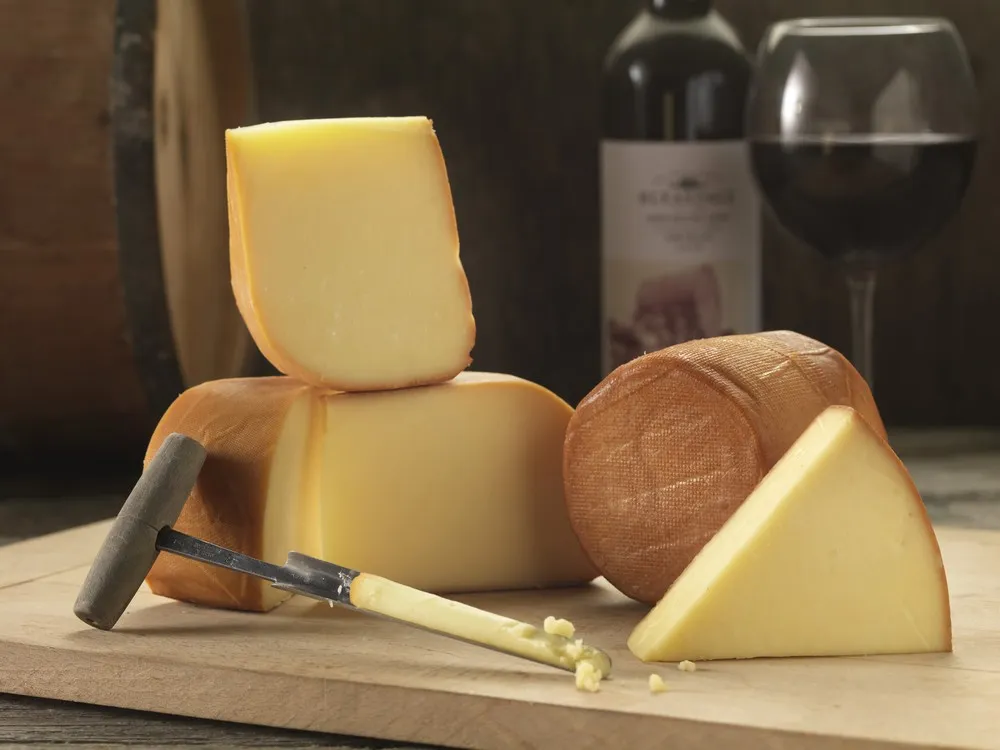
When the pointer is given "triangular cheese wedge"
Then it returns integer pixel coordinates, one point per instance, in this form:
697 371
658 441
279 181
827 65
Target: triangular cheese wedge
832 554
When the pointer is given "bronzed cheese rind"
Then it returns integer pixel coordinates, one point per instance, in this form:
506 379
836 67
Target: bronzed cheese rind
832 554
344 251
661 453
252 493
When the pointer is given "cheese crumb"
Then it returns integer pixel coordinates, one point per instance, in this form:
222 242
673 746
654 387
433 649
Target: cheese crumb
687 666
656 684
575 650
523 630
559 627
588 677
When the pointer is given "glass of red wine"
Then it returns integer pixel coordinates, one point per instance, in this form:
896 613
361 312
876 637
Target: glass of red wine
862 137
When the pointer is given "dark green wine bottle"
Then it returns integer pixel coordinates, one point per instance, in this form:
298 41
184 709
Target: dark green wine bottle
680 213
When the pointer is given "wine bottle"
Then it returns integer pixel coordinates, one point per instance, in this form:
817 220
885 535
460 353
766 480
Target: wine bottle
680 212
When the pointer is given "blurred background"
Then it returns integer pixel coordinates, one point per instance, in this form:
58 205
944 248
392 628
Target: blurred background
114 285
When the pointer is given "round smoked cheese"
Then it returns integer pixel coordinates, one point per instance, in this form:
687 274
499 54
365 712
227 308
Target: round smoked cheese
662 452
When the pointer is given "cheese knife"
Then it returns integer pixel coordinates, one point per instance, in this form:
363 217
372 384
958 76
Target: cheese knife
143 529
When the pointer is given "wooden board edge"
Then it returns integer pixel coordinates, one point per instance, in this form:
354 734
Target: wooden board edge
360 709
51 554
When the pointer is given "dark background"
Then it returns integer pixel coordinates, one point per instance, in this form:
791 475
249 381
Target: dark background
512 88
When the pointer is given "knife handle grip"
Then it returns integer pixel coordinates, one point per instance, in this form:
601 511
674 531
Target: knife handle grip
129 550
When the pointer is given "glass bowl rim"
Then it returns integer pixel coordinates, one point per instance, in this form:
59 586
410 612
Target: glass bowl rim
807 25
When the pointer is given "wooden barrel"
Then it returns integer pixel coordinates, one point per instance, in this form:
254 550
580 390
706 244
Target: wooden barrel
114 288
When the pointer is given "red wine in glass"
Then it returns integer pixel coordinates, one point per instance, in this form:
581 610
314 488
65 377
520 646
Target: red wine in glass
862 134
860 198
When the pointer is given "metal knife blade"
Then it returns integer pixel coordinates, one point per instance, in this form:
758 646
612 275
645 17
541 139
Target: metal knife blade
300 574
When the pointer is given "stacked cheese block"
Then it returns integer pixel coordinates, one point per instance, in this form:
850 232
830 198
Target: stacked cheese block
375 450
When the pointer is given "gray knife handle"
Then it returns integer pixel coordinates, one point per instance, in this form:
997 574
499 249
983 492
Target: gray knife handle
129 550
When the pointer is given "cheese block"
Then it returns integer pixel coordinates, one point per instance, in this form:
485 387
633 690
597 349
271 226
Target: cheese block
344 251
450 488
252 494
667 447
832 555
454 487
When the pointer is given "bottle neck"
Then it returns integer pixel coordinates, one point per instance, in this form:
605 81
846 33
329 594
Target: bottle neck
679 10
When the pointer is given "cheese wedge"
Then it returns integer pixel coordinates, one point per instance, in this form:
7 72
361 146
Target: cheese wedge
344 251
253 493
455 487
660 454
832 555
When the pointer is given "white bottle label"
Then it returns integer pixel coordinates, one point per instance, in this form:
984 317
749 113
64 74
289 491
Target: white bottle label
680 236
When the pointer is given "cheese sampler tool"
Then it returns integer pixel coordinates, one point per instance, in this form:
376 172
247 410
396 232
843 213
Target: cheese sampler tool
143 529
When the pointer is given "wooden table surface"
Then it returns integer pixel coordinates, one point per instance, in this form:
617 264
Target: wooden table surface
958 474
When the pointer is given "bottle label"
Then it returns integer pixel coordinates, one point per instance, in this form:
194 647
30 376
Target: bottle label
680 236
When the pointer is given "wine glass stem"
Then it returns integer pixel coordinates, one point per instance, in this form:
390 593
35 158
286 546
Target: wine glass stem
861 288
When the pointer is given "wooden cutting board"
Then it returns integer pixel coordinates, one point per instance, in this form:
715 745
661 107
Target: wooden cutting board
309 666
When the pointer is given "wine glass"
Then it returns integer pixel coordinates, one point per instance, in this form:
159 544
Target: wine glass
862 137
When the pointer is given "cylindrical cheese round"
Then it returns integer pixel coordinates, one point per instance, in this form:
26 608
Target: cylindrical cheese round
661 453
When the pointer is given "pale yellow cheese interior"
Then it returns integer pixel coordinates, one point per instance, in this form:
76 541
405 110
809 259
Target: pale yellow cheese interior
451 487
392 599
558 626
290 513
345 251
656 684
832 554
588 676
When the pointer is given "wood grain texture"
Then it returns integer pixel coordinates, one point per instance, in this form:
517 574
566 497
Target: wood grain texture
42 556
46 723
57 234
170 190
339 671
91 357
512 86
203 84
